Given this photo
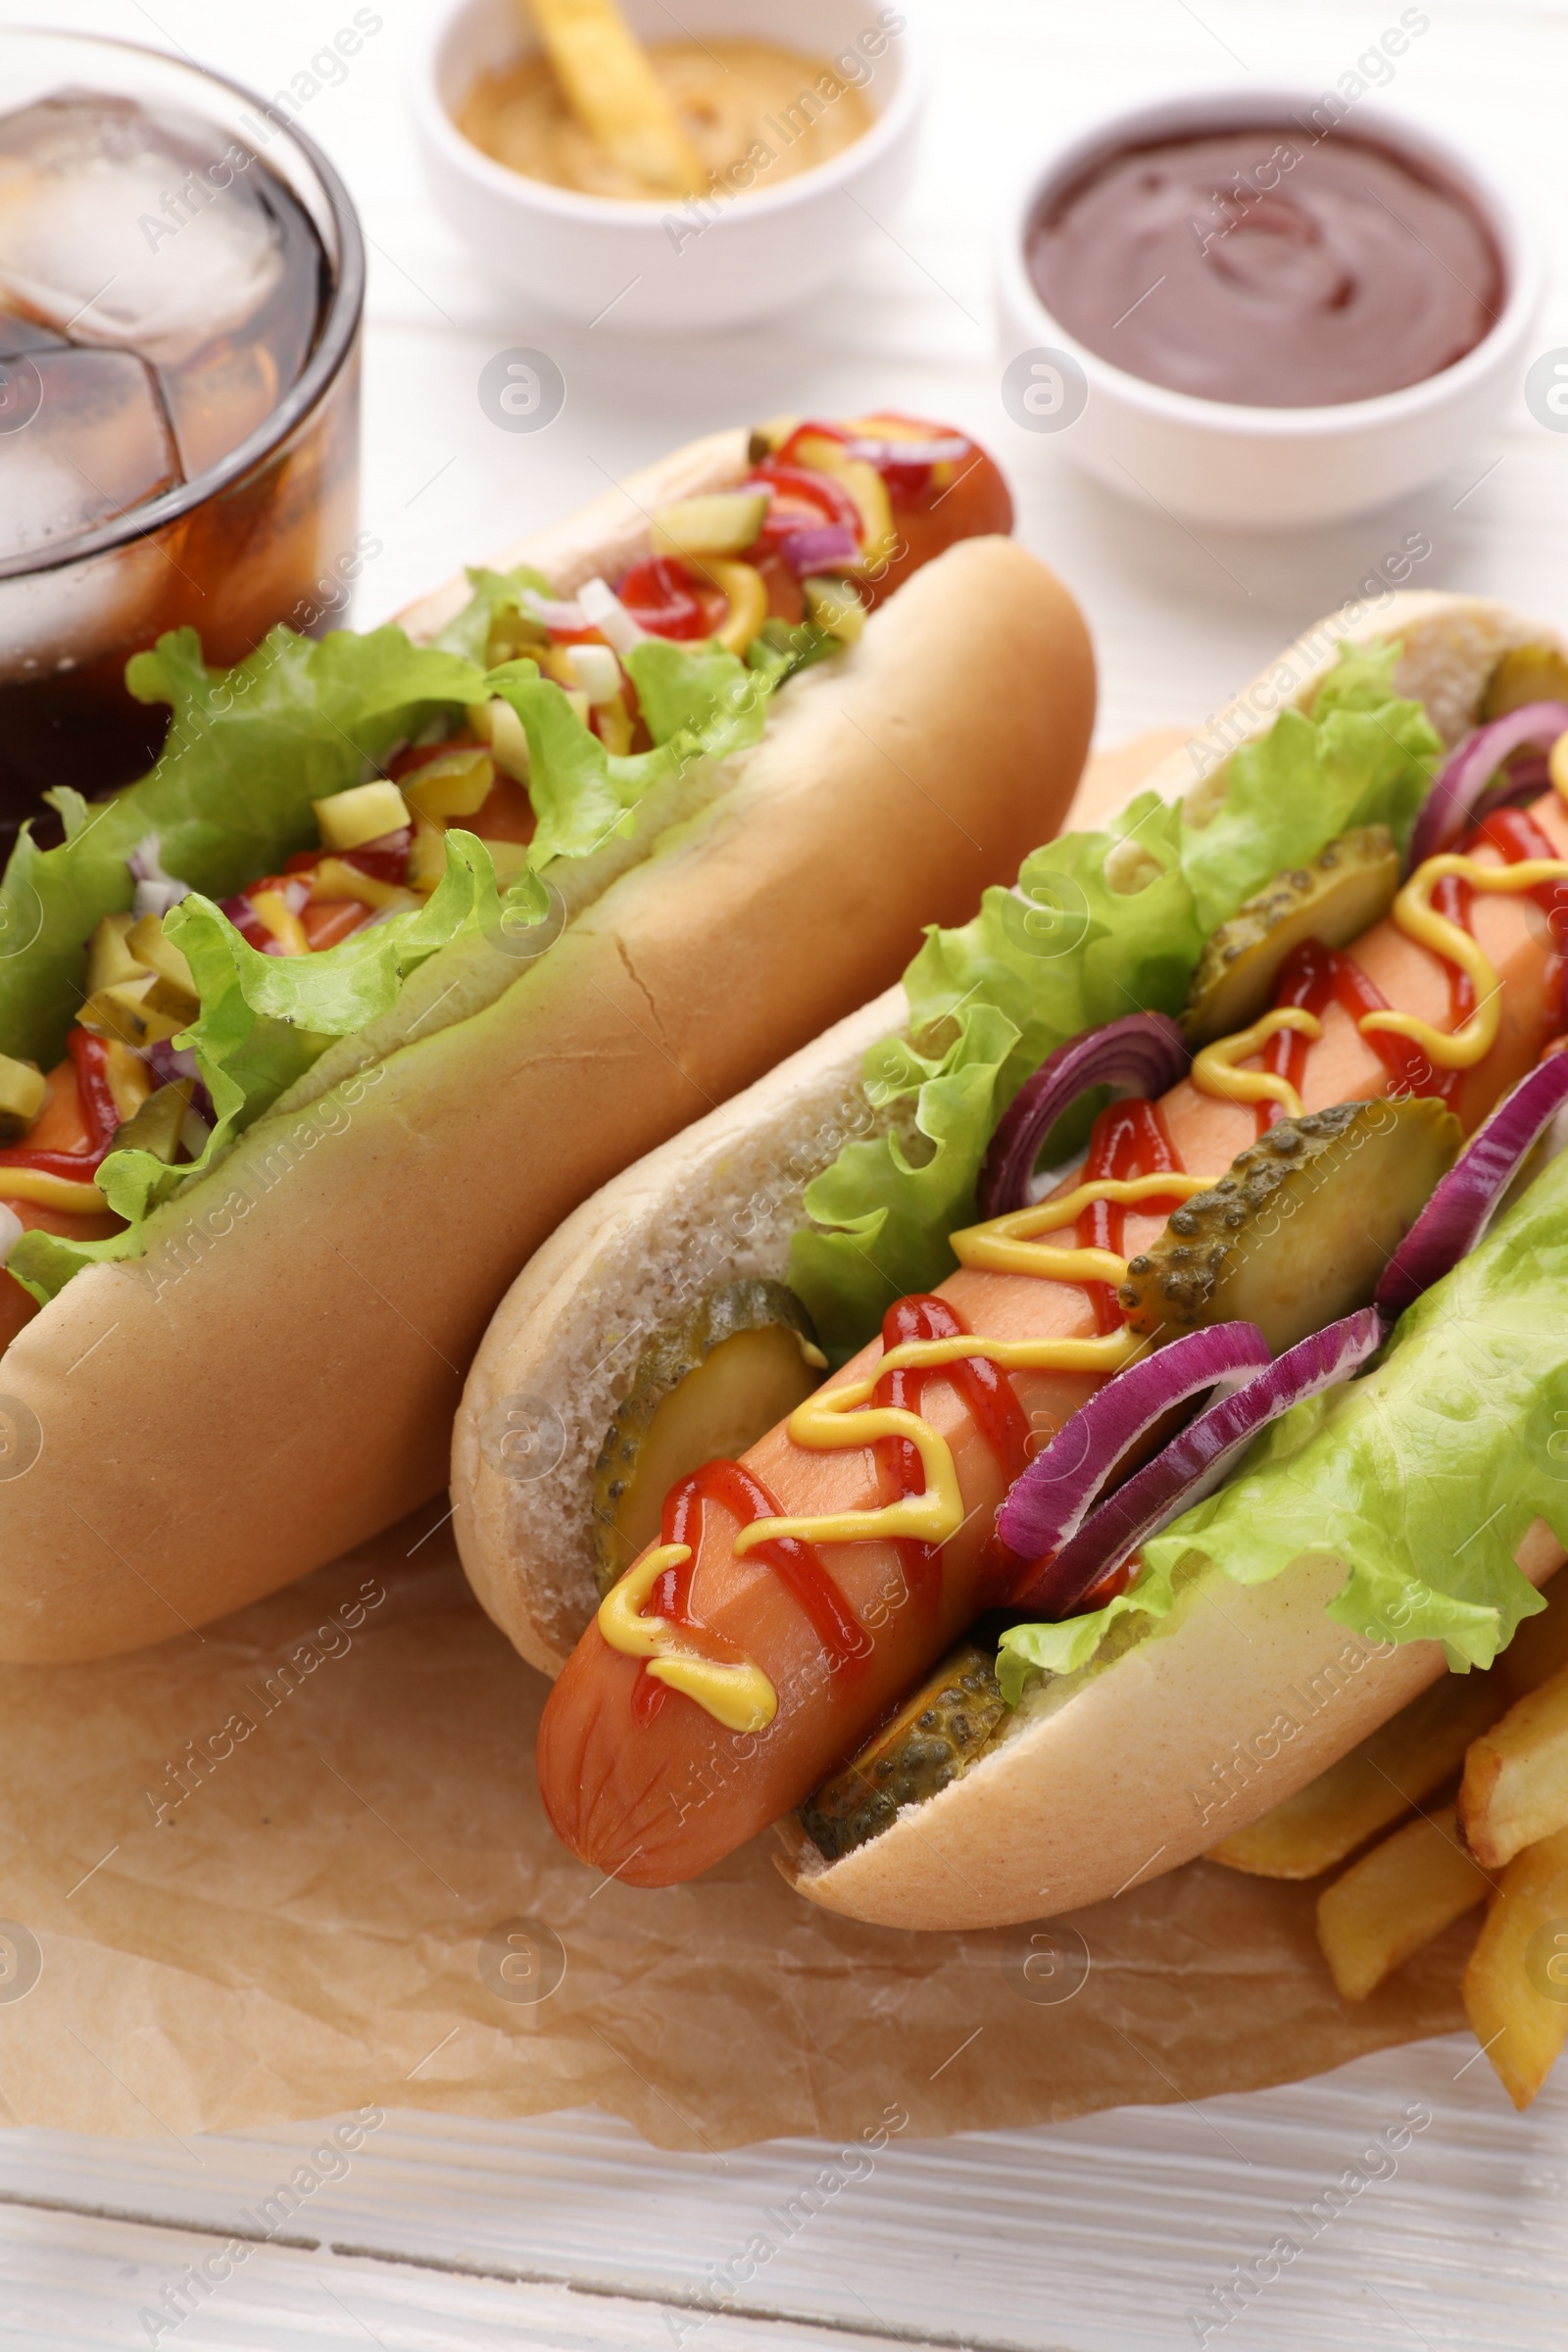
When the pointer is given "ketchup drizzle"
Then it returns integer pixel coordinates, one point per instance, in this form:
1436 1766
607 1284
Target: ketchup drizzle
90 1054
1128 1139
1515 834
1312 978
1315 975
797 1565
986 1391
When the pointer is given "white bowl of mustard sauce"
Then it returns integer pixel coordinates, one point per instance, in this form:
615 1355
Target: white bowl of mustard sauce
804 120
1244 290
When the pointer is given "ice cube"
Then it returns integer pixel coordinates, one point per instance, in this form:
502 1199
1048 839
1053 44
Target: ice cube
113 231
95 441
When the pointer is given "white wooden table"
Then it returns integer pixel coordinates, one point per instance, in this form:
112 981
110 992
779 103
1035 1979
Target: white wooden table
1113 2232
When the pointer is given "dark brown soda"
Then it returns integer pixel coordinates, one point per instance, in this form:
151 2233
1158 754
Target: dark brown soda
275 544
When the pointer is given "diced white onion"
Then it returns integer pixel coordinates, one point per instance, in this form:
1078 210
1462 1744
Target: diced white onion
552 613
596 670
155 891
12 1230
604 611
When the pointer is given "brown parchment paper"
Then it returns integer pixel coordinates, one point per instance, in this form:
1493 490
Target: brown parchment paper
298 1864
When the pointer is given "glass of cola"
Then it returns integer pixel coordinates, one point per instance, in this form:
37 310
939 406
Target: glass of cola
182 279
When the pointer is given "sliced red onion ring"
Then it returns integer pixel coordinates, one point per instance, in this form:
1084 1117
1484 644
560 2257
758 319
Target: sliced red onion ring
945 452
1050 1503
1192 1463
1460 796
818 549
1144 1053
1459 1211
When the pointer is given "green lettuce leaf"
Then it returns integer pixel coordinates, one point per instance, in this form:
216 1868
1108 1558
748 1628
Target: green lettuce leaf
264 1020
249 749
496 595
1421 1478
1067 952
1362 757
1028 1649
699 701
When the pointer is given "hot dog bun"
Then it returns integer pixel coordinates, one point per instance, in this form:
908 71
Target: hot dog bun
1050 1819
275 1378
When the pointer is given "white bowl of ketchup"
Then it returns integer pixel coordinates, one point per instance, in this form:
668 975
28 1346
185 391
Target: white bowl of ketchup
1297 280
665 264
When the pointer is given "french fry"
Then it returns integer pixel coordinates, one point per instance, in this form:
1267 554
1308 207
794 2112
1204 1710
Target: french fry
614 93
1403 1762
1515 1786
1394 1900
1516 1984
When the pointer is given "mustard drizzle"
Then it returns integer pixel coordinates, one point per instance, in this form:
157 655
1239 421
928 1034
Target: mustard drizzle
1419 920
1006 1245
740 1696
1215 1071
44 1191
840 1418
835 1418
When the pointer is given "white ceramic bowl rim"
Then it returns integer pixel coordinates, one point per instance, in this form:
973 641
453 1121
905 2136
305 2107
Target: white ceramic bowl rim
1230 106
648 212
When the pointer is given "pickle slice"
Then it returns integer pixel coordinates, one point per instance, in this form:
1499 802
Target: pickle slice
1526 673
1299 1231
704 1389
155 1125
23 1091
935 1733
1349 887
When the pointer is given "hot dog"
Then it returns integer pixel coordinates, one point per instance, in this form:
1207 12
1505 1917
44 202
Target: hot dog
1341 1056
410 940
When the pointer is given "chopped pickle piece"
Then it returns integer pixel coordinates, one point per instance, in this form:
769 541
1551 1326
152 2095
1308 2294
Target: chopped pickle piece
769 439
1349 887
614 727
124 1012
156 1126
456 784
145 941
704 1389
109 960
935 1733
335 879
497 724
428 858
1299 1231
723 523
835 607
174 989
364 813
513 636
23 1089
1526 673
128 1078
